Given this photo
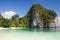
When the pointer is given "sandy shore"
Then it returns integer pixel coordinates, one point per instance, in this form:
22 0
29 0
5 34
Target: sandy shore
1 28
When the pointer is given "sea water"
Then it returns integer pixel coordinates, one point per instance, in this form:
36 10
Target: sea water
29 34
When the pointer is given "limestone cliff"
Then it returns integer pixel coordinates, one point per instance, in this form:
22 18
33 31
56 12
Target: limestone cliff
53 22
41 17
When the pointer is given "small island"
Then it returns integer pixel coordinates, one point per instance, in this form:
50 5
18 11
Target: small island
36 17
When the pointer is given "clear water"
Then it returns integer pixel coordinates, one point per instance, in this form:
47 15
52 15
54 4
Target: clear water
30 34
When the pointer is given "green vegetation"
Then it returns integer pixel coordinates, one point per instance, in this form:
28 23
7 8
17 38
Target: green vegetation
26 21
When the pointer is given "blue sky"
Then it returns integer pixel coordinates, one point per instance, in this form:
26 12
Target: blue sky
21 7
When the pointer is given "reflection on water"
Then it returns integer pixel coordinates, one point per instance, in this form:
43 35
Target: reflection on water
40 29
43 29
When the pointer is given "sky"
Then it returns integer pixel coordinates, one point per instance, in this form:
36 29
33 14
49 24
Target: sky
10 7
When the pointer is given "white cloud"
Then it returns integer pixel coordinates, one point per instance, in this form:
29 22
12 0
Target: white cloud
8 14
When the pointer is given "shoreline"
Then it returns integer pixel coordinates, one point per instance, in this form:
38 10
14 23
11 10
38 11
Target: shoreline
1 28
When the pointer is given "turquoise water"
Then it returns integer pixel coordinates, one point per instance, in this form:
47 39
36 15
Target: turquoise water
29 34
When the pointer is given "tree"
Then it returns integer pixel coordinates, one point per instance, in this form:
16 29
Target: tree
15 19
1 20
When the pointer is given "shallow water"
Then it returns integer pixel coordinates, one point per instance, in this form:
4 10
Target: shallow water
29 34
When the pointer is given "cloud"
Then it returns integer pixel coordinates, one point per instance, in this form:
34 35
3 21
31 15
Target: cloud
8 14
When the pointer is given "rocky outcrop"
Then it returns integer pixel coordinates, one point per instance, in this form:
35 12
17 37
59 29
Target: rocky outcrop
41 17
53 22
37 22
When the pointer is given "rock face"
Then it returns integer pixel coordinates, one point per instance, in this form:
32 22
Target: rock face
53 22
41 17
37 21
